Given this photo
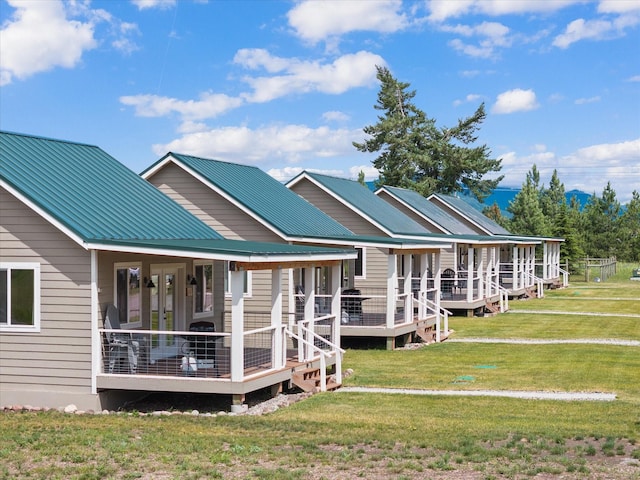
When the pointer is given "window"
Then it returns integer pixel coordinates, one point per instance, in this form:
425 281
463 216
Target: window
127 294
360 270
203 290
20 297
227 281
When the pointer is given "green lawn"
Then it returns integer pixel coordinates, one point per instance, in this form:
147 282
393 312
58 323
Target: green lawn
547 326
401 437
478 366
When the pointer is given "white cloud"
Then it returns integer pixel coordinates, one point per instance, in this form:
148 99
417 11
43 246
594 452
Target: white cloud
39 37
491 36
335 116
599 29
370 172
587 169
162 4
346 72
618 6
516 100
209 105
274 143
583 101
316 20
635 78
472 97
441 10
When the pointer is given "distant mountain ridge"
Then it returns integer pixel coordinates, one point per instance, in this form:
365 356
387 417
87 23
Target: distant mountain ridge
503 195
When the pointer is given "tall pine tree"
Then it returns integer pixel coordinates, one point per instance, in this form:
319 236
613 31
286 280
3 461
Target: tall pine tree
528 217
416 154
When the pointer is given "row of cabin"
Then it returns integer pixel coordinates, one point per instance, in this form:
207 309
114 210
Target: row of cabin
212 277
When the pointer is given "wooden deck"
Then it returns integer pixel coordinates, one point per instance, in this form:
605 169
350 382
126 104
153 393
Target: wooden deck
211 376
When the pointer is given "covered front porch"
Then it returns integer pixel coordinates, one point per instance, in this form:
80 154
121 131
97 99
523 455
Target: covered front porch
406 308
176 329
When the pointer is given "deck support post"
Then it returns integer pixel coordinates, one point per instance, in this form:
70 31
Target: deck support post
237 403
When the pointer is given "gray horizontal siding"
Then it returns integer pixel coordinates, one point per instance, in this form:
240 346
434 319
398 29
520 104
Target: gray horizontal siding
59 356
335 209
213 209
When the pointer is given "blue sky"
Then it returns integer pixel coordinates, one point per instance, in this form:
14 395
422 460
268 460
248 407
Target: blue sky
289 85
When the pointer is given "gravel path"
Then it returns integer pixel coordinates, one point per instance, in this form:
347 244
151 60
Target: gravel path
568 396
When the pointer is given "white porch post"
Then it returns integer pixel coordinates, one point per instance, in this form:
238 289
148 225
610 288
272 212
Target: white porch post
514 273
424 283
546 260
493 271
279 355
497 267
95 324
481 279
470 275
437 275
237 326
531 261
392 283
408 274
309 304
335 311
291 300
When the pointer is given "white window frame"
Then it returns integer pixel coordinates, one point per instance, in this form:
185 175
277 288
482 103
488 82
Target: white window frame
205 314
364 264
35 267
249 285
127 265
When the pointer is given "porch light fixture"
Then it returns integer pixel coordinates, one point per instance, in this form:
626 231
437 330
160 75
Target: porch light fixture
148 283
192 280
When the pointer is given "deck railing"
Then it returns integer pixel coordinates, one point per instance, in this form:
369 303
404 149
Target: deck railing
504 296
166 353
441 314
314 346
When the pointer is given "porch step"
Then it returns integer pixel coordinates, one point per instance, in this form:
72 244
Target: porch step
491 308
426 331
308 380
530 292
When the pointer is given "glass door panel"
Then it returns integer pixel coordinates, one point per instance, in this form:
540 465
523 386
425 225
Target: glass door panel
164 312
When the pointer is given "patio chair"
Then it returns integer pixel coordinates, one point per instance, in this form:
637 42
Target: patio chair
447 283
120 346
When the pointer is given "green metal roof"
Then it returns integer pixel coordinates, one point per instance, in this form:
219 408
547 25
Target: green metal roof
423 206
106 204
473 214
364 200
91 193
265 196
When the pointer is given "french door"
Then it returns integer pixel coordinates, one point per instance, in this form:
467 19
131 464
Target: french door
167 310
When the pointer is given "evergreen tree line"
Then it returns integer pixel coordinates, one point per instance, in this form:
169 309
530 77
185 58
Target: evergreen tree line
603 228
415 153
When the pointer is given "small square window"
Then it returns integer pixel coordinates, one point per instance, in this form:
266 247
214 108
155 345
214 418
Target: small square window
19 297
